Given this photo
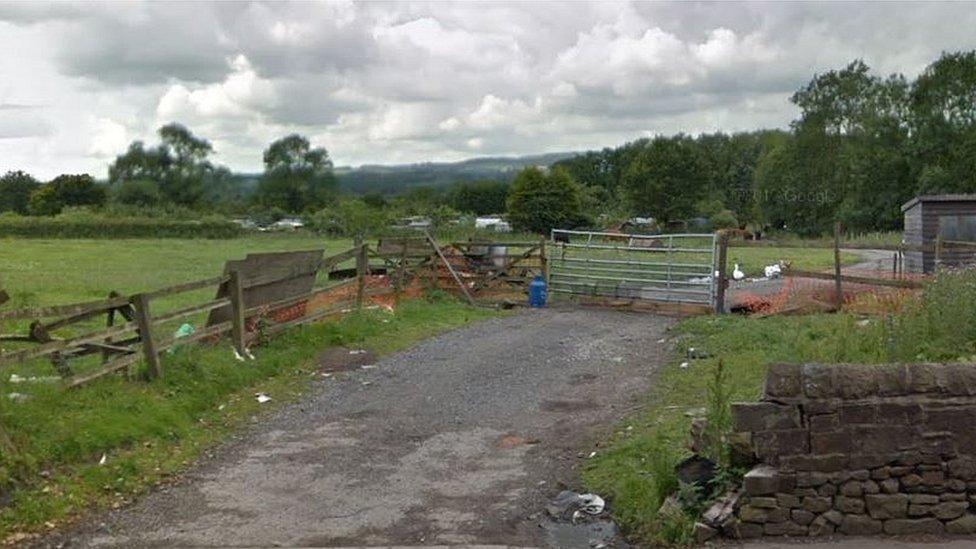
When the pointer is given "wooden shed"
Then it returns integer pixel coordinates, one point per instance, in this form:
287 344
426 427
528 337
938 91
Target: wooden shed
945 217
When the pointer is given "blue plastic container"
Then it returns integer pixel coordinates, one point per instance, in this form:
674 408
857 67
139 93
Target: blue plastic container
537 292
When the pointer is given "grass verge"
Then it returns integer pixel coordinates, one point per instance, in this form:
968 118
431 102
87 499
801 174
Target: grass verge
148 432
637 470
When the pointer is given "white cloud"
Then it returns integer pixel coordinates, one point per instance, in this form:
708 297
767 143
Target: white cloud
109 138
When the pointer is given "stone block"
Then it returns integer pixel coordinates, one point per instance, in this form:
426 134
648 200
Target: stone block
852 413
812 479
919 510
948 510
808 462
819 381
784 529
788 501
834 516
963 468
823 422
827 490
953 496
820 527
910 481
861 460
890 486
764 416
704 532
887 506
763 480
857 381
837 441
851 488
777 515
923 499
913 526
960 379
802 516
955 485
900 470
860 474
744 530
852 505
949 418
899 413
783 381
880 473
893 380
763 502
870 487
817 504
748 513
933 478
770 445
925 378
860 525
720 512
884 439
965 524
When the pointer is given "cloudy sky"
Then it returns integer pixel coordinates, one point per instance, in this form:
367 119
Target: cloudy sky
415 81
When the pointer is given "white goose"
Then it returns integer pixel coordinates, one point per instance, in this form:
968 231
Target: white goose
737 274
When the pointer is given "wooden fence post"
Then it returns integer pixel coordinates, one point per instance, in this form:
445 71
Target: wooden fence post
543 261
144 321
361 266
938 252
838 291
723 281
235 292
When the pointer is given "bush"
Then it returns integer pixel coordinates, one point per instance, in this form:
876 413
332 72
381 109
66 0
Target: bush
349 218
45 201
88 225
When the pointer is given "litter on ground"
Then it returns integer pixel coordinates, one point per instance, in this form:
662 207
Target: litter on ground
261 398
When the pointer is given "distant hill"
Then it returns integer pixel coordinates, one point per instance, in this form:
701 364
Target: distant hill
397 178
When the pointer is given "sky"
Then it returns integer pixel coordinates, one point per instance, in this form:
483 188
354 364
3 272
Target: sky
383 83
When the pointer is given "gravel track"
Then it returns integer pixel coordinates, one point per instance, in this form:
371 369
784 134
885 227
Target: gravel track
458 440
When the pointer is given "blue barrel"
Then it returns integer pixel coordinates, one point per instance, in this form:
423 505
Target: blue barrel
537 292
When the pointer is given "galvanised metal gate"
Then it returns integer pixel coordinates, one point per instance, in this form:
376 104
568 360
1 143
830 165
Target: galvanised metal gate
676 268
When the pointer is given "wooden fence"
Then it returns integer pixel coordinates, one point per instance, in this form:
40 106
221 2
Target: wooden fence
130 321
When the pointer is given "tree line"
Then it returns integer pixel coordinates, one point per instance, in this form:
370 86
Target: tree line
861 146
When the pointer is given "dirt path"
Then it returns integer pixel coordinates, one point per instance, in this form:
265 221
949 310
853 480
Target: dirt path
458 440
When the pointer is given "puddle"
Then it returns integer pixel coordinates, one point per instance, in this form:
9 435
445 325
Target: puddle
586 535
343 359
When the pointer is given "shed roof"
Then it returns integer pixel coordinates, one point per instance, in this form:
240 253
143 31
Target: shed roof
938 198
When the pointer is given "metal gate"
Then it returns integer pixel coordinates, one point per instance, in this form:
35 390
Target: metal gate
675 268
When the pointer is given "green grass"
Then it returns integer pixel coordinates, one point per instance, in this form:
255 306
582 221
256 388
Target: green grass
636 469
52 271
752 260
150 431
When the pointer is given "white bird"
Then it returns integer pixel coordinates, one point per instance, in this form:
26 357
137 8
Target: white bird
772 271
737 274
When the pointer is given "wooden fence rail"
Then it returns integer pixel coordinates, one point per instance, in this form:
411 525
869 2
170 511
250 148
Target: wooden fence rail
128 334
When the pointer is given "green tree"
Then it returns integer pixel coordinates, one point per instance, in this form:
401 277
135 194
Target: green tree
296 177
665 179
78 190
45 200
15 190
479 197
539 201
138 192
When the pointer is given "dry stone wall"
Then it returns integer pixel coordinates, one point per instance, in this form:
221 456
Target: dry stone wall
856 449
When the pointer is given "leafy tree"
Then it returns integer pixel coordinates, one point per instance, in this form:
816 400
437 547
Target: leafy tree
479 197
45 200
78 190
15 190
349 217
665 179
539 201
138 192
296 177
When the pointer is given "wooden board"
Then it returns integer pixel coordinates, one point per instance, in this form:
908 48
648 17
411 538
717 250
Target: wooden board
268 278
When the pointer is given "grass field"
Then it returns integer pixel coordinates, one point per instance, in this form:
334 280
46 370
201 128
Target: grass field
48 272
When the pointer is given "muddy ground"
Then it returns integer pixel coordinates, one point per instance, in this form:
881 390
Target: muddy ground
461 439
